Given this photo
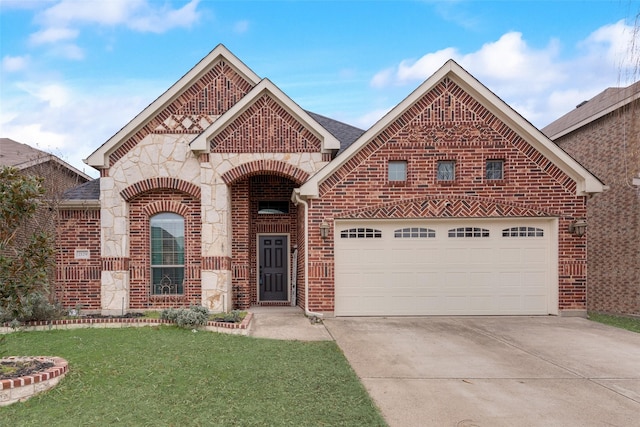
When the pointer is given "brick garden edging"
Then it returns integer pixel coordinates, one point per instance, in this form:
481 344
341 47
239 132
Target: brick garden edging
22 388
241 328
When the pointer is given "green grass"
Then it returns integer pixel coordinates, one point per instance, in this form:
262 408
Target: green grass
628 323
166 376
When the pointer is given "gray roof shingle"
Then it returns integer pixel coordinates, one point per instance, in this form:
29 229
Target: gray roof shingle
592 109
345 133
88 191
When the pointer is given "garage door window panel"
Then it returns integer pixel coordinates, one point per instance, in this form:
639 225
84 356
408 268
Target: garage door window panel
361 233
414 233
468 232
523 232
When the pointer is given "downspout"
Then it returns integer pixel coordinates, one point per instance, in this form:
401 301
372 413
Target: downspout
297 199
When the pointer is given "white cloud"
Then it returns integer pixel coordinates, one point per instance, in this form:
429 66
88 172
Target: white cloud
11 64
52 35
140 15
382 78
163 19
410 71
241 27
536 82
72 122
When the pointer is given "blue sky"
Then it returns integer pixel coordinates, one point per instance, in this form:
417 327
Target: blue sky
73 72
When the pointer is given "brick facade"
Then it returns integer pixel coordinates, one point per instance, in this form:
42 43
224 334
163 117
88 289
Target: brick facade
78 280
610 148
203 154
447 123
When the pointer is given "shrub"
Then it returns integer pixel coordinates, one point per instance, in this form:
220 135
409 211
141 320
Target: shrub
193 317
33 307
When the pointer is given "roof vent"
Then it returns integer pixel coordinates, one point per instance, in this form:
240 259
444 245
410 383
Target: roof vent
581 104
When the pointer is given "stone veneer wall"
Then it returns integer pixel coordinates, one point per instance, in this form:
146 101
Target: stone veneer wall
610 148
448 124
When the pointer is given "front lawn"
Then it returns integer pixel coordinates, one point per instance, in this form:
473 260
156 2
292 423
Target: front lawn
166 376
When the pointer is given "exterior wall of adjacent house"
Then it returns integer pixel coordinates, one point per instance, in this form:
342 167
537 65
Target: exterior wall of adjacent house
448 124
56 179
610 148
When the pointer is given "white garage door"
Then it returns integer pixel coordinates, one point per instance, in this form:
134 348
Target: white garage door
446 267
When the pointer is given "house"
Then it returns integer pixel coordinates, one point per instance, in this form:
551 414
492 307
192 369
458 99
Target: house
603 134
58 176
225 192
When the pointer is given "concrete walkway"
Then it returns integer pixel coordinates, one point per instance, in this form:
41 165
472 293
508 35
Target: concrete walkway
286 323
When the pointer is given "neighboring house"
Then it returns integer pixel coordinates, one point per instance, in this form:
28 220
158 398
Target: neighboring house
603 134
224 192
58 176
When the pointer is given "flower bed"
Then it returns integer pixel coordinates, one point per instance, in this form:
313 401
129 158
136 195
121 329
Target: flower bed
241 328
21 388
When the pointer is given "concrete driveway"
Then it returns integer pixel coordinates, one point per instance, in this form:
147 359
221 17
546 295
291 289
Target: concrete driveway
495 371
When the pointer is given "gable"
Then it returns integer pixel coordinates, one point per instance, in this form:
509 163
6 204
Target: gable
265 126
453 114
192 104
266 120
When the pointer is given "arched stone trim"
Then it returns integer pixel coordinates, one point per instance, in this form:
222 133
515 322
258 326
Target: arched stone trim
449 207
160 183
166 206
272 167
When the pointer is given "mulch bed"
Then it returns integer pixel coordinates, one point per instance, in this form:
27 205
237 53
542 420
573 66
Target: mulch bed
22 367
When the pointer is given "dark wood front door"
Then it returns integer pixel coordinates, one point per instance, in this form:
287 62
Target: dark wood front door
273 268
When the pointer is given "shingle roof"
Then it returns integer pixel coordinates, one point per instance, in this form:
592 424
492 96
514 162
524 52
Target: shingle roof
601 104
23 156
16 154
87 191
343 132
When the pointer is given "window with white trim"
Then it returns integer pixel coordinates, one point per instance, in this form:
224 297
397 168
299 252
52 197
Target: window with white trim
414 232
523 232
468 232
167 254
397 170
361 233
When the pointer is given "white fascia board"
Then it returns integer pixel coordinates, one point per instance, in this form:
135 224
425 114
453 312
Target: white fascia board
201 142
586 182
99 158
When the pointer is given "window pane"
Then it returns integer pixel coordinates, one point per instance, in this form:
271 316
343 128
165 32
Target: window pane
167 280
167 253
414 232
361 233
397 171
273 207
446 171
468 232
495 169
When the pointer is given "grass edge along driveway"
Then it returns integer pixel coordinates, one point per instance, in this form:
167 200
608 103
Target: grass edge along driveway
165 376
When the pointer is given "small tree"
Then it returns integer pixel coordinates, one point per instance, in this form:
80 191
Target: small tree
25 252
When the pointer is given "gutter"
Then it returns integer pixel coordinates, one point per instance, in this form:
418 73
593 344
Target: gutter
296 200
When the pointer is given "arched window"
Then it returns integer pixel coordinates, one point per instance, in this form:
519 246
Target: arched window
167 254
